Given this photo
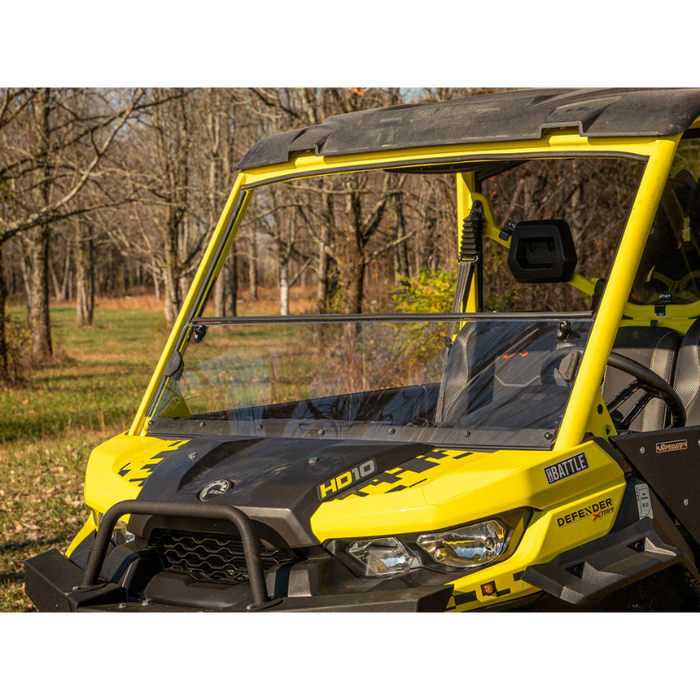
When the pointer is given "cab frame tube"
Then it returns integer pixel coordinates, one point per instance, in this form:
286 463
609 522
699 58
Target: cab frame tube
617 291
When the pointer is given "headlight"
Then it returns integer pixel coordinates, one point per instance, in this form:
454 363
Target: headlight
468 546
121 535
462 547
384 556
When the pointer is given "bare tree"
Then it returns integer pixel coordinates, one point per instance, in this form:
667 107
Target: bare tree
50 152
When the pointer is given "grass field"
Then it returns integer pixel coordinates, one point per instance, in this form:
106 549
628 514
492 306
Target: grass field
49 427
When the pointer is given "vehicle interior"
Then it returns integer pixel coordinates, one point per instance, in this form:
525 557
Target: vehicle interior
660 330
667 276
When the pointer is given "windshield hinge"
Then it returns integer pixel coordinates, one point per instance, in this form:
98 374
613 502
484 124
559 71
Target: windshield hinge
175 365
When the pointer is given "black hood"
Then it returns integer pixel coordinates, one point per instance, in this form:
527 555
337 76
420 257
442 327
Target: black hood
275 480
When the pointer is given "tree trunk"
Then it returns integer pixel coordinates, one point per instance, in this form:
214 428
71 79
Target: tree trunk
352 263
185 283
57 287
352 276
220 293
253 268
232 289
39 314
171 290
39 249
61 286
84 279
125 276
26 264
322 286
4 360
284 286
401 267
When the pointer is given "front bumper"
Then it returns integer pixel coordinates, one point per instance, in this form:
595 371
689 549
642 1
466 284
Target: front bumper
54 585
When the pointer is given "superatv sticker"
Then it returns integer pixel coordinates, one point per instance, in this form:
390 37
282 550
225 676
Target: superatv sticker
596 511
673 446
569 467
348 478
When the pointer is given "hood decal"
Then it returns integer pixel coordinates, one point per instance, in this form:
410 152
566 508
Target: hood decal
138 472
410 474
276 479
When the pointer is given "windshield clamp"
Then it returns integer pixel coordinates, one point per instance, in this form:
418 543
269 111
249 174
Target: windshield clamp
198 333
507 231
563 330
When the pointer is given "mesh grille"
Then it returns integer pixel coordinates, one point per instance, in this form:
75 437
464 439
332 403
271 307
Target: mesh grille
209 557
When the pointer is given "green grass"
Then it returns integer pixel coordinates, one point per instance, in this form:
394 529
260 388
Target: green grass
49 426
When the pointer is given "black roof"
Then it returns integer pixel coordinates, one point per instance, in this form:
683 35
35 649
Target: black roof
503 116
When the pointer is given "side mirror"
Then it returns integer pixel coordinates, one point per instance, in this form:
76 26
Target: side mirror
542 251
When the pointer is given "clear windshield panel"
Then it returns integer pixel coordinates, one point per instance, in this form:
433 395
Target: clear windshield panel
499 382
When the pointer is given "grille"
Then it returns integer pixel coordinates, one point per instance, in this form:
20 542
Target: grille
208 557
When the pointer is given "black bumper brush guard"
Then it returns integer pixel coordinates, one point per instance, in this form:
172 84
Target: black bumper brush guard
57 584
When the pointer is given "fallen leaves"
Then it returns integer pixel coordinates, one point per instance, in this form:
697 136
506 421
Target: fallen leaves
25 525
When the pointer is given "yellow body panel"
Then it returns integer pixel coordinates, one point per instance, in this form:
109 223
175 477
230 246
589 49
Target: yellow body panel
117 470
543 540
90 525
464 487
119 467
460 488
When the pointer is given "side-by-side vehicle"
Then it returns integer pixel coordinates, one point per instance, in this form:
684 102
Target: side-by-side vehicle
535 447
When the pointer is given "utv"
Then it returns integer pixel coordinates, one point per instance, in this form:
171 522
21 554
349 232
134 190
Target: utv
487 457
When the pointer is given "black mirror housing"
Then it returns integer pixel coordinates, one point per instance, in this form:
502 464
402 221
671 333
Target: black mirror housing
542 251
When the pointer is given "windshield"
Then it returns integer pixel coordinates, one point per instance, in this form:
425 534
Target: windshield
501 381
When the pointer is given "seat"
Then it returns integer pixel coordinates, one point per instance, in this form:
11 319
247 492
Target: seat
654 347
687 378
460 366
505 376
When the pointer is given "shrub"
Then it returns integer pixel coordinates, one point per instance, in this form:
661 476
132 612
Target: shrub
432 291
